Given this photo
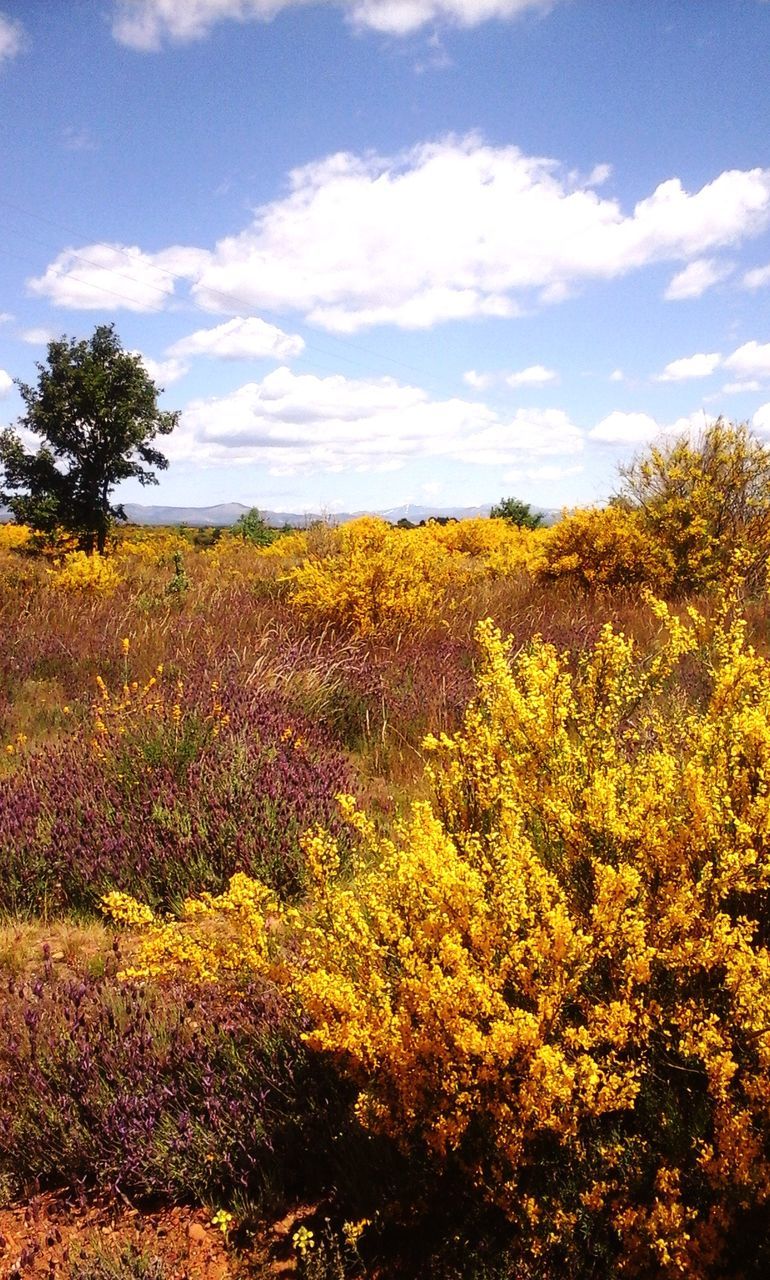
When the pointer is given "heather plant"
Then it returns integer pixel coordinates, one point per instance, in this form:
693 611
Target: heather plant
176 1094
554 973
170 789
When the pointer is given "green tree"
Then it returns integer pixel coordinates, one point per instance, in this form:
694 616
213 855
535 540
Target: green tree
95 409
516 512
252 528
704 500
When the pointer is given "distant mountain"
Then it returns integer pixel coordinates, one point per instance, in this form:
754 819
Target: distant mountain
226 513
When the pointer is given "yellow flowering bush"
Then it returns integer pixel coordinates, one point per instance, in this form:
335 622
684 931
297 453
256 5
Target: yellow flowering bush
83 573
13 536
705 500
497 548
605 547
556 970
373 577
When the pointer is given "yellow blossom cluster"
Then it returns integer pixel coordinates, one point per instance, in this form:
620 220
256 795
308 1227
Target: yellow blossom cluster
86 574
556 970
606 547
13 536
370 576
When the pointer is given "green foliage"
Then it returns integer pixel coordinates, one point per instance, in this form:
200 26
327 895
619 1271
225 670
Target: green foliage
516 512
95 409
252 528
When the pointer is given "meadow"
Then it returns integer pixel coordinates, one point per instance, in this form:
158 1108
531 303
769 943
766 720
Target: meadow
405 887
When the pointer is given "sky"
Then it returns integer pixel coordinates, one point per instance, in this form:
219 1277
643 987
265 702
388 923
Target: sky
381 252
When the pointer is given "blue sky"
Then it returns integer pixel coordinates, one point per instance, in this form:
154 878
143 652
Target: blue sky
388 251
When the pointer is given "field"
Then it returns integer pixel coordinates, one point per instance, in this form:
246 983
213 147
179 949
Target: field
384 902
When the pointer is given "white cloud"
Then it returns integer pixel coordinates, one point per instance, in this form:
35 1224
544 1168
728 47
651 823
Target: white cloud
240 339
479 381
163 372
37 337
74 139
449 230
732 388
455 229
697 366
696 278
624 428
12 38
751 361
111 276
292 423
547 472
6 383
758 278
145 24
617 375
640 428
761 420
535 376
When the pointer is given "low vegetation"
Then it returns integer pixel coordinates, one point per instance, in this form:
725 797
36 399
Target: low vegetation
409 885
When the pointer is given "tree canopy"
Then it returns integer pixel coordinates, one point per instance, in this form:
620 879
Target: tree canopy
516 512
95 410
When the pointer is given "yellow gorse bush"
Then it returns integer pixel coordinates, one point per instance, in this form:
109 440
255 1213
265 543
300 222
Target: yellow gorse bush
556 970
13 536
80 572
605 547
373 577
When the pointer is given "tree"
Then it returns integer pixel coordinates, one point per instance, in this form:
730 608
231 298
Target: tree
252 528
704 500
516 512
95 408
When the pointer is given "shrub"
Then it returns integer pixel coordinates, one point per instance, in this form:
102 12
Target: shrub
173 789
605 547
79 571
178 1094
376 579
704 500
555 974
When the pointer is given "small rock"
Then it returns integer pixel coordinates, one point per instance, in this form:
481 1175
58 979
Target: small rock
197 1233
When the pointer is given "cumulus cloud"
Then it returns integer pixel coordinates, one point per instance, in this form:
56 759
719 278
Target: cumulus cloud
147 24
751 361
163 372
761 420
448 230
478 381
640 428
535 376
111 276
457 229
697 366
757 278
695 279
12 38
6 383
240 339
292 423
617 375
